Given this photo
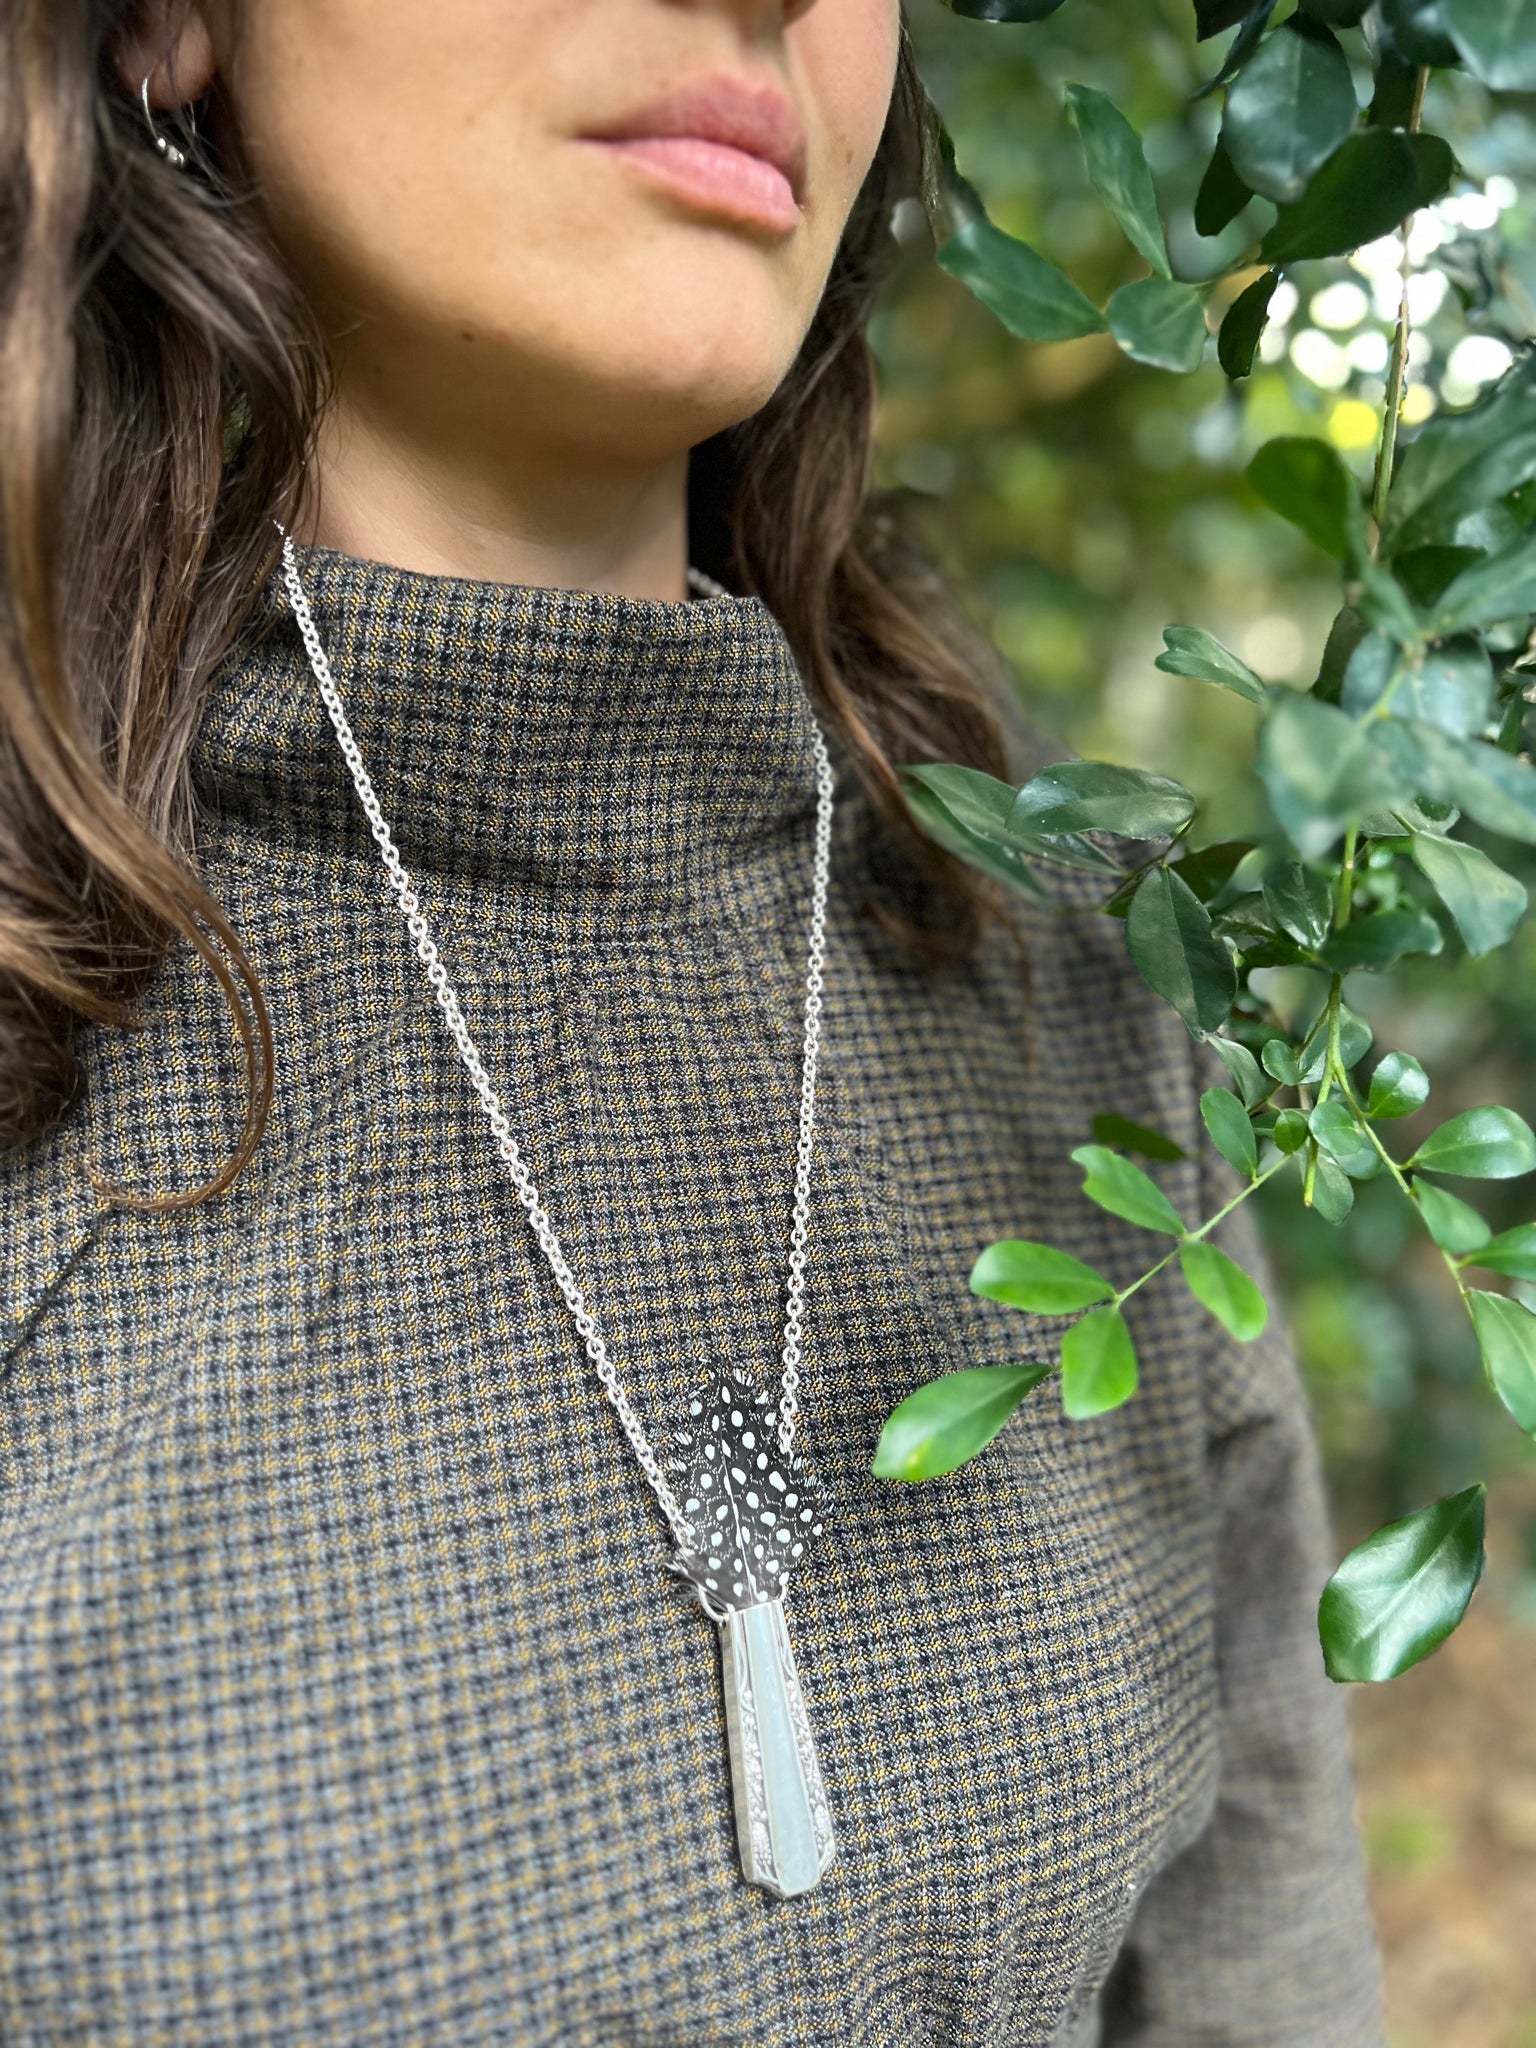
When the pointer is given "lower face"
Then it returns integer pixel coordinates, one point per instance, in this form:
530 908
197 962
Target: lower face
445 179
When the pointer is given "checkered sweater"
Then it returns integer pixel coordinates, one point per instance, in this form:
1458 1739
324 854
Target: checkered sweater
344 1696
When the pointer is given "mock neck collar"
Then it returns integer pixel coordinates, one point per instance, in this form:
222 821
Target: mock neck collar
591 758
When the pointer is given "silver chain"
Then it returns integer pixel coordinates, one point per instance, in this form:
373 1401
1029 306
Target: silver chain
527 1193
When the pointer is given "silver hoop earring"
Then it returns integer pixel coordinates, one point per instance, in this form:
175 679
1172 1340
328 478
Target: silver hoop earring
175 157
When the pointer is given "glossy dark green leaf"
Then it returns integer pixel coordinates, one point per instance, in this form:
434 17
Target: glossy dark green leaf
1399 1086
1243 324
1454 1224
1512 1252
1098 1365
1506 1336
1448 686
1231 1130
1489 1143
1290 1132
1289 108
1004 10
1333 1192
1037 1277
945 1423
1417 31
985 806
1398 1595
1254 22
1109 1129
1247 1076
1354 1043
1211 871
1373 180
1342 1139
1427 572
1160 323
1489 785
1118 167
1486 903
1306 482
1187 651
1502 587
1032 297
1497 40
1222 194
993 858
1280 1061
1094 796
1460 461
1169 937
1124 1190
1376 942
1300 901
1320 770
1383 603
1221 1285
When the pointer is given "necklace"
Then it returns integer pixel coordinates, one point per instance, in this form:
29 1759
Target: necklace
749 1499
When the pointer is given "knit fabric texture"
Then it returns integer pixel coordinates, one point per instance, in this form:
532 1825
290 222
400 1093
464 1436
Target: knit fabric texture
345 1695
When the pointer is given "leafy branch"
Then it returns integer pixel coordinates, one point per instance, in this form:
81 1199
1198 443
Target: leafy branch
1416 724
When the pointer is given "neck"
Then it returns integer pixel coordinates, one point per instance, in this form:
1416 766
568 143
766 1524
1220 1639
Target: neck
472 504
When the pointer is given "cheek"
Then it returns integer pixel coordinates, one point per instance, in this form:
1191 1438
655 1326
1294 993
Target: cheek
844 52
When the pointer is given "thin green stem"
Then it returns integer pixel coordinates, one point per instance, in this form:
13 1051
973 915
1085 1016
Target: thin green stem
1397 368
1194 1236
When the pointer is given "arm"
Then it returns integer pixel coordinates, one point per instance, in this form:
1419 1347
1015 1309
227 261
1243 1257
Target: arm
1259 1935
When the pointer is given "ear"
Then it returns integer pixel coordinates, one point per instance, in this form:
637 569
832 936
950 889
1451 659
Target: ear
169 42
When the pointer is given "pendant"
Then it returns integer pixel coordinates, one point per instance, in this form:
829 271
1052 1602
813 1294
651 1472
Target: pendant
752 1512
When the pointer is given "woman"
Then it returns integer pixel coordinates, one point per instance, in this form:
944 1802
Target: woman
345 1698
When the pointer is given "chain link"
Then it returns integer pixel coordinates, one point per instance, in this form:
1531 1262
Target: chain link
490 1102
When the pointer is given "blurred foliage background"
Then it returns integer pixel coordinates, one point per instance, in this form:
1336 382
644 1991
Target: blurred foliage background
1083 502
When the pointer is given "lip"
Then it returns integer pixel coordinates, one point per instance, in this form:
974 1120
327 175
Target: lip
724 143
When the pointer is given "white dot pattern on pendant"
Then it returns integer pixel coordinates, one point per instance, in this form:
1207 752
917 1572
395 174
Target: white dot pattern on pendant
750 1510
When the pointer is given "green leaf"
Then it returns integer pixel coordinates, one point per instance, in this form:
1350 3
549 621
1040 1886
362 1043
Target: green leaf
1225 1289
1497 40
1244 1069
1383 602
1373 180
1004 863
1458 462
1300 901
1037 1277
1506 1335
1489 785
946 1422
1242 327
1280 1060
1098 1365
1501 587
1454 1224
1124 1190
1118 167
1320 771
1160 323
1222 196
1342 1139
1491 1143
1486 903
1378 941
1416 29
1512 1252
1447 686
1290 1132
1306 482
985 806
1333 1192
1109 1129
1004 10
1190 652
1288 109
1354 1043
1231 1130
1094 796
1031 297
1211 870
1399 1594
1169 937
1399 1086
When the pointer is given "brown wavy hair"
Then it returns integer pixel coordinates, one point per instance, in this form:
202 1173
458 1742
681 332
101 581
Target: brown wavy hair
161 379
